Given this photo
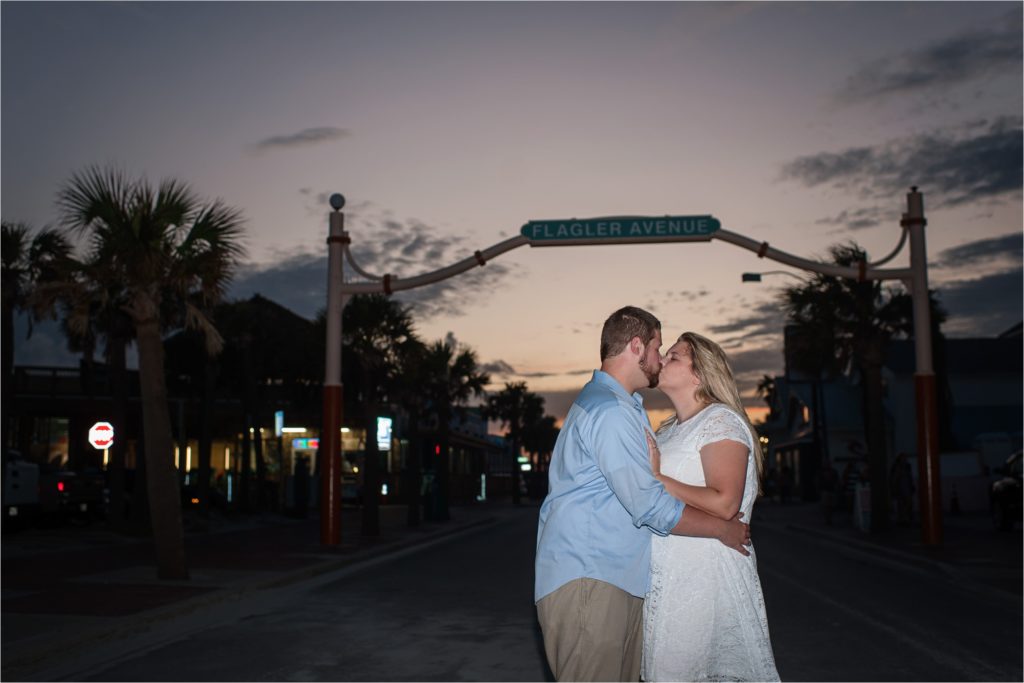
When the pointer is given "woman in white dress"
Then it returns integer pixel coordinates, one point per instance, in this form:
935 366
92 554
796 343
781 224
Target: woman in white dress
704 617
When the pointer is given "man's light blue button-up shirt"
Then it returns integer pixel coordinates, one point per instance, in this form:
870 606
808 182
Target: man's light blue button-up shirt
603 501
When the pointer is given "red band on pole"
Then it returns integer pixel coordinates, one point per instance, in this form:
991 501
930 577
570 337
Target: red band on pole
387 284
329 468
344 239
479 257
762 250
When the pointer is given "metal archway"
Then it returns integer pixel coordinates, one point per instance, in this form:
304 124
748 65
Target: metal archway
577 232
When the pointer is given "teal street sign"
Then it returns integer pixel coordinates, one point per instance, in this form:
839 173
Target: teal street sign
620 229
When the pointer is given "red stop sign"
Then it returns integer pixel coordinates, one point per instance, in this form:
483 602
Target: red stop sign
101 435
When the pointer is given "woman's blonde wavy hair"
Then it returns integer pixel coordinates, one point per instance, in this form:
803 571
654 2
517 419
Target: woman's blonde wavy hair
717 385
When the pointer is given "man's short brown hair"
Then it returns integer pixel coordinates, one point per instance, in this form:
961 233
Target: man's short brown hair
624 324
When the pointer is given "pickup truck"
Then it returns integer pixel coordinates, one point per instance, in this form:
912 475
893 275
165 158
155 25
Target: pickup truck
31 490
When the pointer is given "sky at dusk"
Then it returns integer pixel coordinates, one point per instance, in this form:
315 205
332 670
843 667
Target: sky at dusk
449 125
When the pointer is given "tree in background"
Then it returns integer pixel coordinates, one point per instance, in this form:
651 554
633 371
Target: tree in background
31 265
175 257
93 302
766 390
451 378
407 394
517 409
842 326
377 333
539 440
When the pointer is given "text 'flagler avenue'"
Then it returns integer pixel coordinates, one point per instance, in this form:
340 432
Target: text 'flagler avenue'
669 226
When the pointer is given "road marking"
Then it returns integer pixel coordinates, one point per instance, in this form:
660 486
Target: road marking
944 653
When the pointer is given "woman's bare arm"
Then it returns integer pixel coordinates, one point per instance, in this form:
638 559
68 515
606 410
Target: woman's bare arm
725 471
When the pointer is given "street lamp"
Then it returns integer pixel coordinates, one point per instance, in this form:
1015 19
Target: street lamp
756 277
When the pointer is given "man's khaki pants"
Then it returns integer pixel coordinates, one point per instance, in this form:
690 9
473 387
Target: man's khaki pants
592 632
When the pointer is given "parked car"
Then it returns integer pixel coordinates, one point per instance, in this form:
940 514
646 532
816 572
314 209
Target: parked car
21 488
1006 494
32 490
68 496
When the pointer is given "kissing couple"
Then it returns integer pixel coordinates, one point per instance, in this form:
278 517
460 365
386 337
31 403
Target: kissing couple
644 564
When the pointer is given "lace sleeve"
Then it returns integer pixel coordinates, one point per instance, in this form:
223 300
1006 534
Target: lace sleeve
721 425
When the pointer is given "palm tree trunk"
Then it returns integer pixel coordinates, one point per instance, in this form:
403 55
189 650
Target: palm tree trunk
414 472
371 476
516 472
874 429
205 440
138 519
119 396
8 377
444 471
246 455
161 478
261 467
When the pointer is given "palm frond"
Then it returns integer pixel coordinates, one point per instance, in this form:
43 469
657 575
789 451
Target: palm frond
195 319
96 195
13 244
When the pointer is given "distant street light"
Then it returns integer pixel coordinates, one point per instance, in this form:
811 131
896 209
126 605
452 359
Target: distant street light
756 277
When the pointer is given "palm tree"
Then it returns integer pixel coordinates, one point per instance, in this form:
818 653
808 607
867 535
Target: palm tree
842 325
406 391
517 409
451 379
766 390
174 257
539 439
31 264
93 302
377 333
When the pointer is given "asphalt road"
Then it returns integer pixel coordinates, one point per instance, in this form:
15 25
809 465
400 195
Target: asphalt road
461 609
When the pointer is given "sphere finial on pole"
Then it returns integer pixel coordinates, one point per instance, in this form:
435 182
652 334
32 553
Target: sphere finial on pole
337 201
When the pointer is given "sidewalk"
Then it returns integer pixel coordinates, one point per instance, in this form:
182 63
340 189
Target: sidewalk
68 587
972 551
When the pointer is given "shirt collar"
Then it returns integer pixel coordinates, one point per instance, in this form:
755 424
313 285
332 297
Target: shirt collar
603 378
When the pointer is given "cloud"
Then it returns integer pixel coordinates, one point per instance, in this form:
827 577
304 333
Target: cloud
766 319
939 65
399 248
502 369
859 219
985 251
563 373
497 367
305 137
984 306
757 362
298 282
980 160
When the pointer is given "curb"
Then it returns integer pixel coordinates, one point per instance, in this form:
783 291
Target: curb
25 663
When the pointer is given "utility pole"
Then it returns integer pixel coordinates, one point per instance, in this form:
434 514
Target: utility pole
929 485
330 435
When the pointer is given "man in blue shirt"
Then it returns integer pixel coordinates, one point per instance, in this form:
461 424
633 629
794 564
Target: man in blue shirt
603 504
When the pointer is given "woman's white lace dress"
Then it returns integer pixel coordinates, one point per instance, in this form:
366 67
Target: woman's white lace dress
704 617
